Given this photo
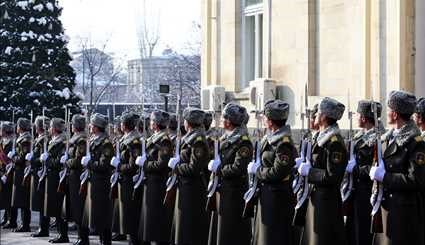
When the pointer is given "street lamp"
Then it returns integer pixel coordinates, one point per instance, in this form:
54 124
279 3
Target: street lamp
164 90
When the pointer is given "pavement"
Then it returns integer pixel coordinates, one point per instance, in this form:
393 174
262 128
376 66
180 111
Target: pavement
7 237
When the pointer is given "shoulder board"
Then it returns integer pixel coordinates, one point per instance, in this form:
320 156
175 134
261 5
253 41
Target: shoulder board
106 141
286 139
136 141
418 139
245 137
199 138
334 138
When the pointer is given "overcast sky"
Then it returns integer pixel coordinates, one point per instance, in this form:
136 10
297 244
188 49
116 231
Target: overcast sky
117 21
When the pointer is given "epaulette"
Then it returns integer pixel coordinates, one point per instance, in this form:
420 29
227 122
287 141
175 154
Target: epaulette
136 141
199 138
106 141
334 138
245 137
286 139
418 138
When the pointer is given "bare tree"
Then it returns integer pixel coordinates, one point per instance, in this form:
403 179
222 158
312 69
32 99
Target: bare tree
97 71
149 34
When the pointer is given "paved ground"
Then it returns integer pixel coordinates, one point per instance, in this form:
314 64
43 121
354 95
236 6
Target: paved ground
10 238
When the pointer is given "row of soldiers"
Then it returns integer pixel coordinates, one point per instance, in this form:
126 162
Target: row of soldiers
193 184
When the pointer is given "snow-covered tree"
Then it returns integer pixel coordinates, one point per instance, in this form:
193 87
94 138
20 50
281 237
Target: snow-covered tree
37 59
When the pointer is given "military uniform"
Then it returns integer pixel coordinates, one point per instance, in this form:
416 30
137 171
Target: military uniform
21 193
190 218
129 205
77 149
10 214
98 206
155 222
324 219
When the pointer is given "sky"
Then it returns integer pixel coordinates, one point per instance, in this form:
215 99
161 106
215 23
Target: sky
116 23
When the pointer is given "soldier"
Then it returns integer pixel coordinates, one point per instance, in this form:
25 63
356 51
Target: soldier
21 193
98 206
172 127
359 166
234 156
419 116
190 217
53 200
401 173
324 221
275 204
77 149
10 214
130 148
155 220
37 190
116 227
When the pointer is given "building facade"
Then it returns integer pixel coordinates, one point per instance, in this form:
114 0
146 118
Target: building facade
347 49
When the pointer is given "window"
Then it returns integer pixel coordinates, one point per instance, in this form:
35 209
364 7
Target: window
252 41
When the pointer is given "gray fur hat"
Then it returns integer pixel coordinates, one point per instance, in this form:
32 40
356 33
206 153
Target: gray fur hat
99 120
39 122
79 122
173 122
276 110
160 117
236 114
7 127
24 124
314 110
58 124
402 102
364 108
194 116
331 108
208 119
130 119
420 106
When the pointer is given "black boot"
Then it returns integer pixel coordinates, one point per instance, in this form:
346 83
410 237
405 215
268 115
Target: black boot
12 219
106 237
59 239
83 235
26 221
5 218
118 237
43 231
62 227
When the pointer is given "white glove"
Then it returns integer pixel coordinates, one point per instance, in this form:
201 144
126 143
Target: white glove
85 160
44 156
298 162
377 173
29 156
64 158
11 154
140 160
304 169
214 164
253 167
350 166
172 163
3 179
115 161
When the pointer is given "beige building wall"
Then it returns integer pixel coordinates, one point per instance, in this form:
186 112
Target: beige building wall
364 48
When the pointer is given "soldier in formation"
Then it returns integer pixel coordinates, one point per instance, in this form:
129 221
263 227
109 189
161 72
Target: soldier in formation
154 188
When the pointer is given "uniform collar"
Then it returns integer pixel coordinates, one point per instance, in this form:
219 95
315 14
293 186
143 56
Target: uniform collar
325 135
191 136
274 137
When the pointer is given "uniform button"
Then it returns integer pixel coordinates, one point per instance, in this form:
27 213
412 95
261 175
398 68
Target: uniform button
391 195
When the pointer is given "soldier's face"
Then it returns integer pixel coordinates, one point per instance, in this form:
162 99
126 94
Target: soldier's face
391 116
418 120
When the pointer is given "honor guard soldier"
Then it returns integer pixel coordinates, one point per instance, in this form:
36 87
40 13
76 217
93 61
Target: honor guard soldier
77 150
156 219
37 188
364 143
278 153
190 217
234 154
129 149
209 132
98 205
53 200
21 192
401 174
172 127
10 214
324 218
419 116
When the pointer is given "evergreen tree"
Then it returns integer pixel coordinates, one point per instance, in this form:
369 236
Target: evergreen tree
38 61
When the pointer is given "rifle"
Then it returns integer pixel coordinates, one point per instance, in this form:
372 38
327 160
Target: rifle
27 170
250 196
85 174
213 183
304 192
378 189
116 174
11 165
296 184
140 176
170 194
347 183
43 171
64 173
